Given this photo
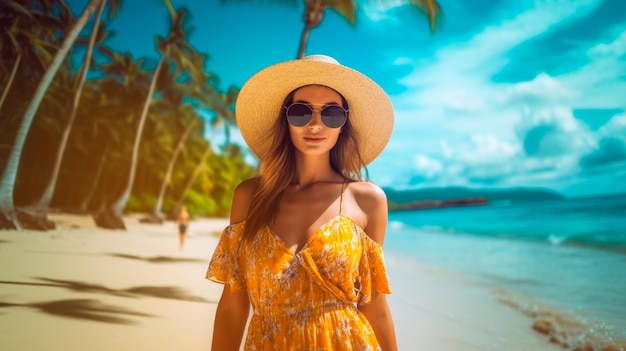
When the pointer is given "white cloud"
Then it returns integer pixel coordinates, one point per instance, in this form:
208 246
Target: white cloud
382 11
465 129
613 49
427 167
485 52
456 82
600 81
544 90
400 61
480 149
615 127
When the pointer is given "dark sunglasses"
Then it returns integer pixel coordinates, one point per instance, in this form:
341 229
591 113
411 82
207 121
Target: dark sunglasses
299 114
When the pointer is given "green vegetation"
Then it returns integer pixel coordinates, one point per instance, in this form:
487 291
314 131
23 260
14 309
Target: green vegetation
136 132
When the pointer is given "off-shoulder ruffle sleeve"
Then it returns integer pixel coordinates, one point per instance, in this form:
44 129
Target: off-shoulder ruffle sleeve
372 272
226 263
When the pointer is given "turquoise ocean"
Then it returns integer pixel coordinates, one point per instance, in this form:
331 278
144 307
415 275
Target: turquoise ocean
563 260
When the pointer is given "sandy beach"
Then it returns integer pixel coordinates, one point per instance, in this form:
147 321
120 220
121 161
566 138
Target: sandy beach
84 288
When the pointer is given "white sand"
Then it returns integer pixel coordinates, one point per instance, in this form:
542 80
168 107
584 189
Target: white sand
447 313
84 288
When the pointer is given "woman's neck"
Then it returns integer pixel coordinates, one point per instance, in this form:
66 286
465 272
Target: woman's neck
314 169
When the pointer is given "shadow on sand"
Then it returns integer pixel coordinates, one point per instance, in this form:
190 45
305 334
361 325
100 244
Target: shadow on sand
164 292
84 309
159 259
93 310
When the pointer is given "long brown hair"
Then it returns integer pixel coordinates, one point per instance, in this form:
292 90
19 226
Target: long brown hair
277 169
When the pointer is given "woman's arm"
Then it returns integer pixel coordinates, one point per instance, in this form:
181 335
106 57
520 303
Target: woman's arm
373 202
230 320
379 316
233 308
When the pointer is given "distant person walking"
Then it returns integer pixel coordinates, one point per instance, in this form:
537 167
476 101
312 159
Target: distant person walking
183 225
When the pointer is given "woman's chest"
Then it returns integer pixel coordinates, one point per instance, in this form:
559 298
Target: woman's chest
335 246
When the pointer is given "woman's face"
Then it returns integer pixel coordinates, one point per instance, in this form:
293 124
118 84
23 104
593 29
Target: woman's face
315 138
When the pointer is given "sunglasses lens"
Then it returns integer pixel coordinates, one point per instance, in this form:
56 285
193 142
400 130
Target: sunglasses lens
334 116
299 114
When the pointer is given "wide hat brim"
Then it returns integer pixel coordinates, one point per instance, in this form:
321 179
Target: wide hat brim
260 100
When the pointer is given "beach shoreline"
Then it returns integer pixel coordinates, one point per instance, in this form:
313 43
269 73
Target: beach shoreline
83 287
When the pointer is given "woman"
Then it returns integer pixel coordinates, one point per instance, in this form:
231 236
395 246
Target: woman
304 247
183 225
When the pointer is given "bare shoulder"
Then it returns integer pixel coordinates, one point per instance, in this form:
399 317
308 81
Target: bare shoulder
372 201
248 186
368 195
242 198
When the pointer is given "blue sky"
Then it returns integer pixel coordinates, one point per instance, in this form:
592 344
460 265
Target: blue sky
505 93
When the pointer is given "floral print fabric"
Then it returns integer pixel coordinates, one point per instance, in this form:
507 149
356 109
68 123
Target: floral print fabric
305 300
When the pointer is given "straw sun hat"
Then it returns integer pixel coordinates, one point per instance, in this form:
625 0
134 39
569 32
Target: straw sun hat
260 100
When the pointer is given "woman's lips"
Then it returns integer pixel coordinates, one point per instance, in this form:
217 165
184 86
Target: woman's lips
314 139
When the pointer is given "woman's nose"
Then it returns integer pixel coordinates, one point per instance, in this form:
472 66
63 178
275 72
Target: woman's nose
316 118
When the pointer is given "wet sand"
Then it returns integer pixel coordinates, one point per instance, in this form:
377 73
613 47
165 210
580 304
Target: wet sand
84 288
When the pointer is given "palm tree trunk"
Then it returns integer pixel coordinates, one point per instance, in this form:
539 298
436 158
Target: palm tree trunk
170 168
303 41
8 84
120 204
313 14
44 201
7 181
111 217
84 205
193 177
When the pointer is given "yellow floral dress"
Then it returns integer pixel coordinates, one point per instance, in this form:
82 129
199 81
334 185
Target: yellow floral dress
305 300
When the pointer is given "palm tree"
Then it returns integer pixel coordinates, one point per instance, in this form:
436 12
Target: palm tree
201 84
194 175
10 37
126 82
7 181
110 103
28 36
156 212
84 204
40 208
314 14
222 104
179 102
174 45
